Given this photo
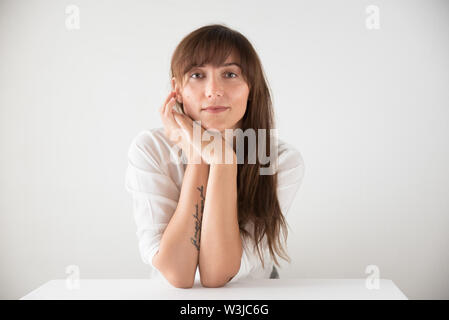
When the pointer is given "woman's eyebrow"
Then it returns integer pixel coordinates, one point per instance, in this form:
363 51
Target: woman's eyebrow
222 65
231 64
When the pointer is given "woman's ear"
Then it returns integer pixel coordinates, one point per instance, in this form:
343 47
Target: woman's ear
176 88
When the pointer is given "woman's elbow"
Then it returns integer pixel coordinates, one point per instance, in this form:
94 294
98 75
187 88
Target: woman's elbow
215 282
218 279
176 279
181 283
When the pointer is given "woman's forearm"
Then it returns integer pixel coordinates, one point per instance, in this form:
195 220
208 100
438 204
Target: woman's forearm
221 247
177 258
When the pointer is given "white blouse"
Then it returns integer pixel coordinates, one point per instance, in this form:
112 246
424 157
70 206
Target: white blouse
155 182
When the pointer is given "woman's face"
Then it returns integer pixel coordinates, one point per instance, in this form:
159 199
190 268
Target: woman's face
207 86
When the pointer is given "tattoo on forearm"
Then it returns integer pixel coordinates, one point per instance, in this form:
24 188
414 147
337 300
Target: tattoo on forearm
198 218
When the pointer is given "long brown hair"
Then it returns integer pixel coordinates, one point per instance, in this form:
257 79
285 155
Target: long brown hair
257 194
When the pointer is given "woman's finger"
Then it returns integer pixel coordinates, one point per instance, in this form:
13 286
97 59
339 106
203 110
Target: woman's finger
183 123
164 105
178 118
171 119
169 107
185 118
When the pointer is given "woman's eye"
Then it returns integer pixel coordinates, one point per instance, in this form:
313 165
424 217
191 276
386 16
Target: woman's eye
193 75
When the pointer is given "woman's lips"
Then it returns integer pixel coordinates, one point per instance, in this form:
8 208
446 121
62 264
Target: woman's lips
215 109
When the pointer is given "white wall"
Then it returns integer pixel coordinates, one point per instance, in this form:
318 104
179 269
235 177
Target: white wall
368 110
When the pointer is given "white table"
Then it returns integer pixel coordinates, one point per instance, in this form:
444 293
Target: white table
260 289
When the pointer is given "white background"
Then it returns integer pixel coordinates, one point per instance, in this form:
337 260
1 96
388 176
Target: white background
367 109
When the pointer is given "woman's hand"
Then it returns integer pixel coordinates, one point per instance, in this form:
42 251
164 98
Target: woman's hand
214 150
174 132
179 128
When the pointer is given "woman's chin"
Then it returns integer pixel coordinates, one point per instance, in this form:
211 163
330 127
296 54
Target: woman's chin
213 127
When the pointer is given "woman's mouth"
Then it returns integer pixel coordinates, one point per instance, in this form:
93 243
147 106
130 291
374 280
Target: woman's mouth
215 109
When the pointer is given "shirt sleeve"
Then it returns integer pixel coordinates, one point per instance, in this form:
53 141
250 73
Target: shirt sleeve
290 175
154 194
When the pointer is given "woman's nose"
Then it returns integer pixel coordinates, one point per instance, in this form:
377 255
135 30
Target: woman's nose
213 88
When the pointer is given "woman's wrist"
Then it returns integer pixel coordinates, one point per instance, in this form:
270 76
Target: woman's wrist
198 163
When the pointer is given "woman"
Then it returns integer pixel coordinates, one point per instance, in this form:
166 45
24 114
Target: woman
211 217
